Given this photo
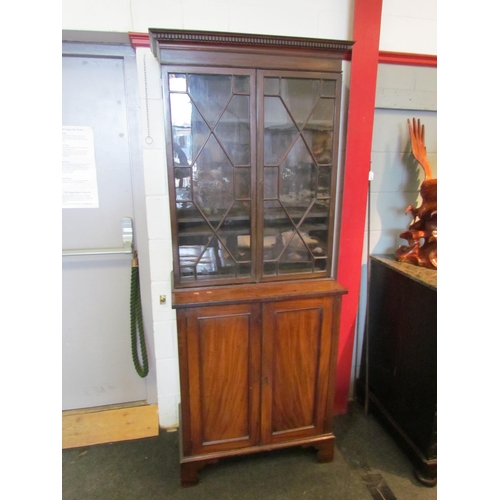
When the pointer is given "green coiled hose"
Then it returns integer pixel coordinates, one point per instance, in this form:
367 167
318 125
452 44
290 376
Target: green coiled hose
136 324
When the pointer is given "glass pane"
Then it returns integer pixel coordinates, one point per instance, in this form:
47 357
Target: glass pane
233 130
270 182
235 230
227 263
243 270
210 93
270 269
296 257
276 222
318 131
242 183
295 246
299 254
213 182
320 264
271 86
207 263
298 178
180 111
324 182
279 130
319 208
197 257
192 227
241 84
300 97
177 82
328 88
314 228
182 184
189 130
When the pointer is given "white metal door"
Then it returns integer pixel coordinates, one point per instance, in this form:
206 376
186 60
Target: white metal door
97 365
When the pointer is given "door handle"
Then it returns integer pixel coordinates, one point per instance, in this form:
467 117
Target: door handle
128 241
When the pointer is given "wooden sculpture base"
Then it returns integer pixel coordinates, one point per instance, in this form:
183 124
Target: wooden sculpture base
421 255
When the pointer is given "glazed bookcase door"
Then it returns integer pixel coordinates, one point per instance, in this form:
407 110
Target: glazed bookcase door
252 158
211 157
297 158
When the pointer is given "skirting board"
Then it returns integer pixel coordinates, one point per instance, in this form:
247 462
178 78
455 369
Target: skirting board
108 424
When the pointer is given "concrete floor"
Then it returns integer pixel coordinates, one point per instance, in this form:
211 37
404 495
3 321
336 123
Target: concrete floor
368 465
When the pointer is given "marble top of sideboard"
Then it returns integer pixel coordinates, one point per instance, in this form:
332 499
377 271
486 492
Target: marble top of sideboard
427 277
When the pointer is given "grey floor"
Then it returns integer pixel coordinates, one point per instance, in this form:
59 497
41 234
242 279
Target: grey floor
367 465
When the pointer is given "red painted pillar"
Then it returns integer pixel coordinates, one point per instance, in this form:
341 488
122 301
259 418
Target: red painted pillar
364 63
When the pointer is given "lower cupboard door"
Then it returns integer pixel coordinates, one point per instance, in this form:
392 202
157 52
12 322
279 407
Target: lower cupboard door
223 351
296 369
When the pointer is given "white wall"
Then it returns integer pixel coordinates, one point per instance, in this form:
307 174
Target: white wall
316 18
403 92
409 26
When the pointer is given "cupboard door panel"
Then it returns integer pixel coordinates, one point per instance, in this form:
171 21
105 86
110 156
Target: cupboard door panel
296 368
223 365
296 346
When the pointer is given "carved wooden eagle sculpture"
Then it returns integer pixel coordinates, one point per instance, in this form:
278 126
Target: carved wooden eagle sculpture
424 224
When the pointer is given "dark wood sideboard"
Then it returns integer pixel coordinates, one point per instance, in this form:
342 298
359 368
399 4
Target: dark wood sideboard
401 370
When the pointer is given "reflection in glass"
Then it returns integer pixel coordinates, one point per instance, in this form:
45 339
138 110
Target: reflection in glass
324 182
235 232
270 182
299 145
271 86
189 130
241 84
298 177
213 173
181 116
213 182
276 222
244 270
270 269
177 82
197 257
300 97
210 94
192 227
233 130
279 130
328 88
182 184
210 124
242 183
296 254
318 131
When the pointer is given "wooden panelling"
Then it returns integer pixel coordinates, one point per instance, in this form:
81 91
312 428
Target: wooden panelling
296 346
259 374
223 352
296 368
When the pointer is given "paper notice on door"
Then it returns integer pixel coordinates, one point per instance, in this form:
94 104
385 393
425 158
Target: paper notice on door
79 178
